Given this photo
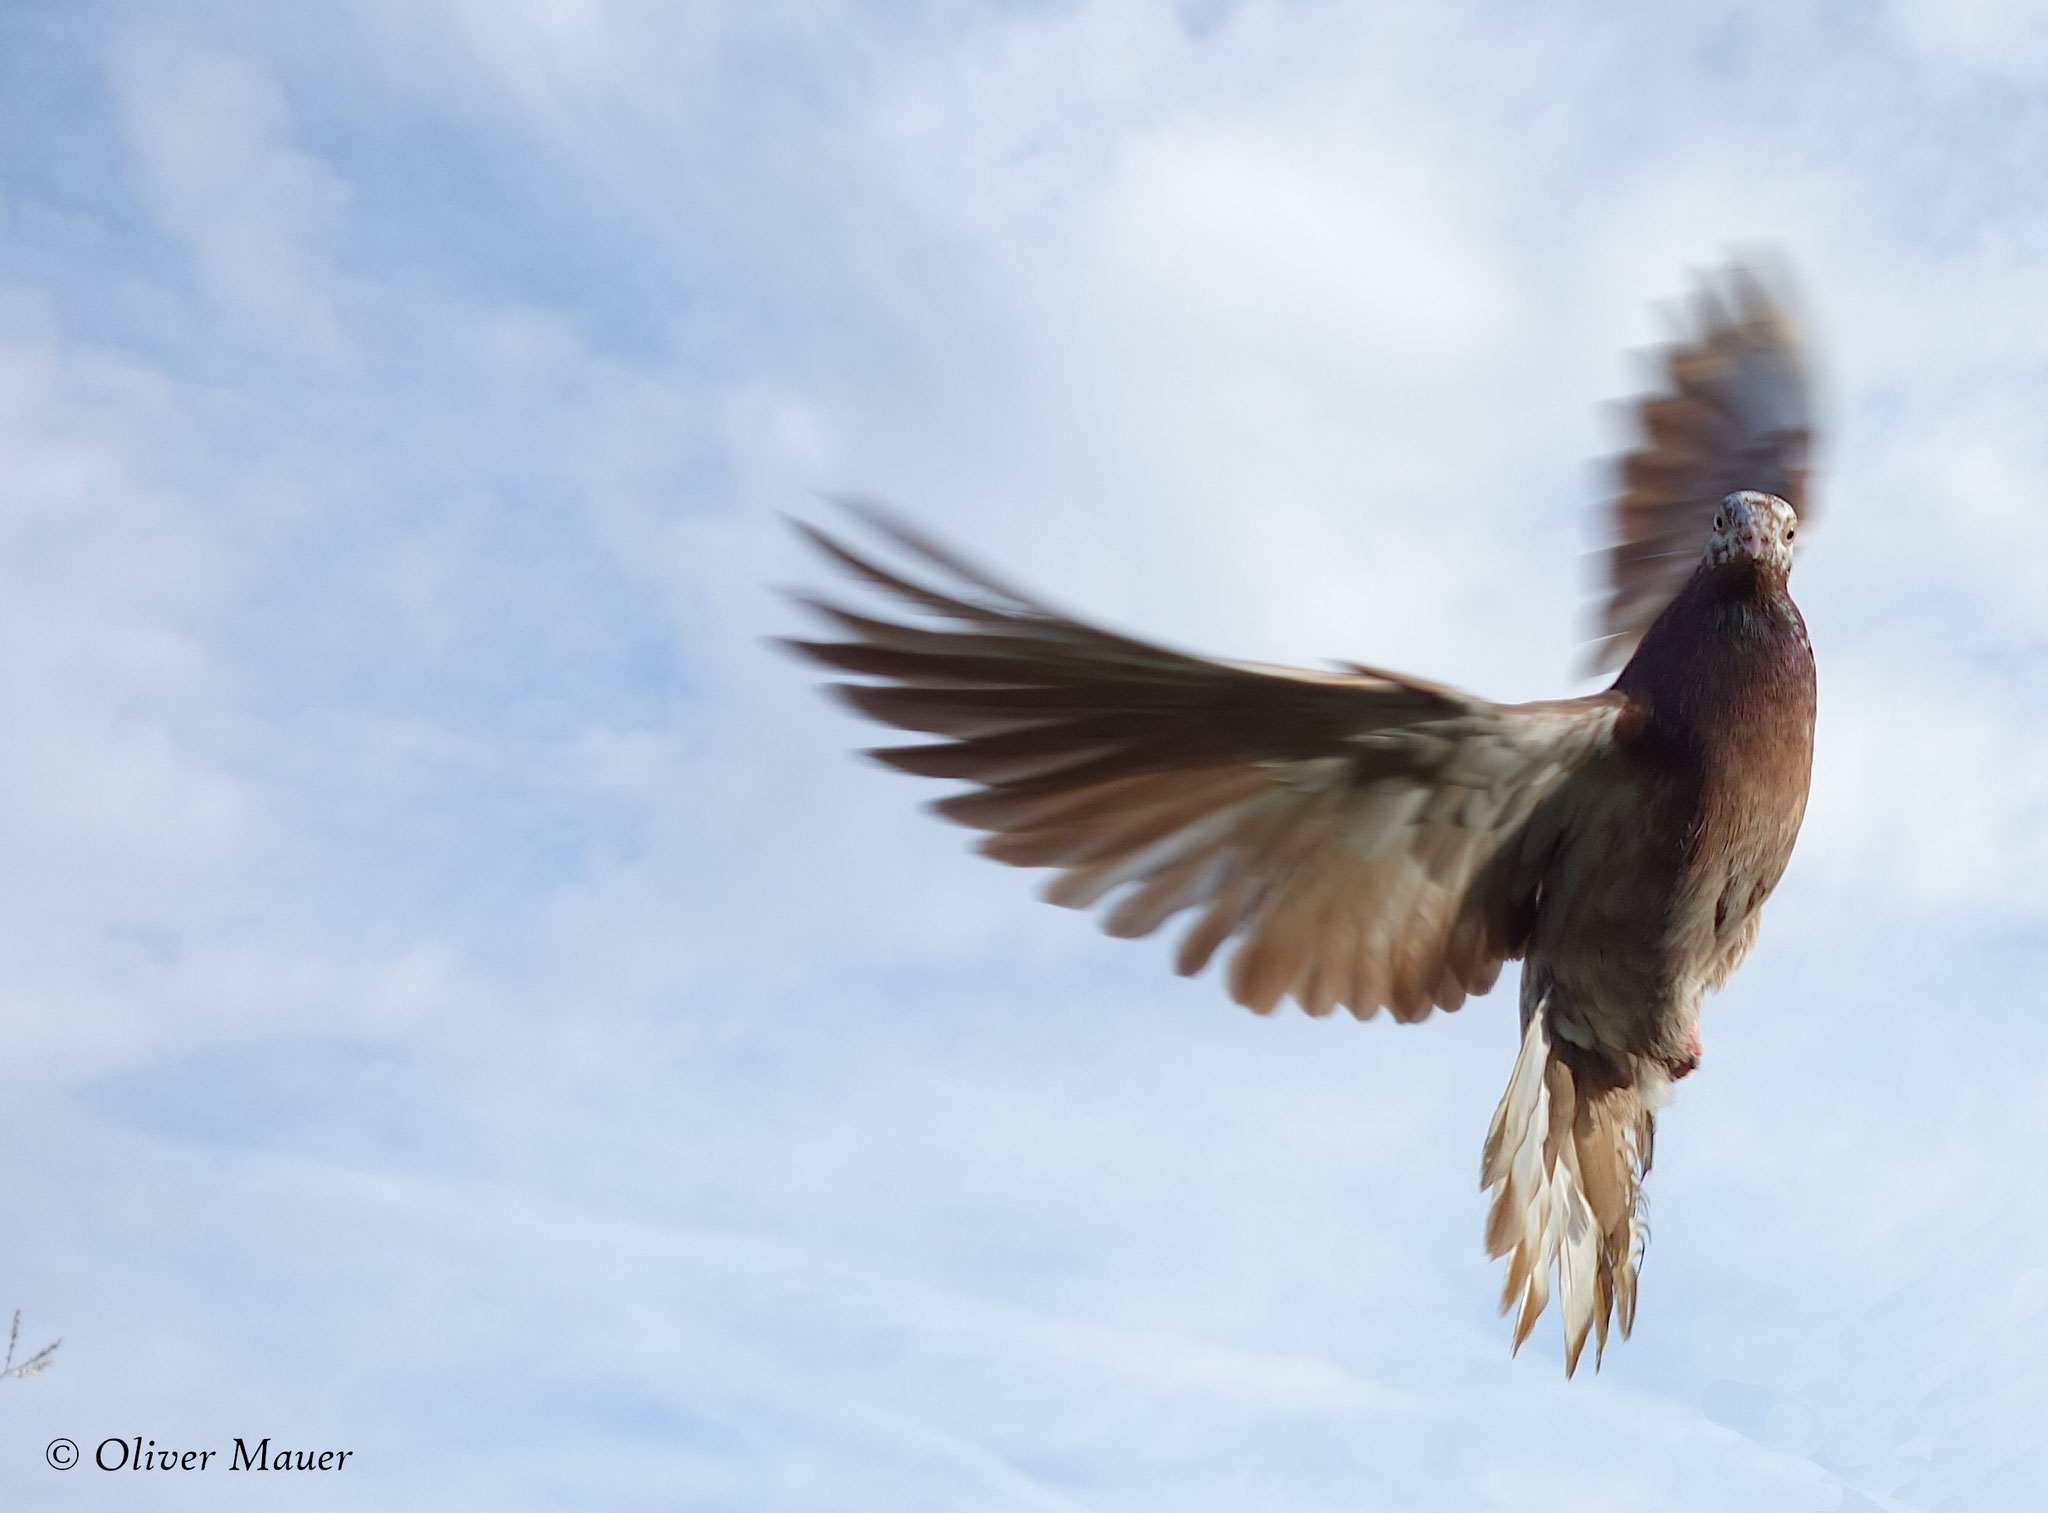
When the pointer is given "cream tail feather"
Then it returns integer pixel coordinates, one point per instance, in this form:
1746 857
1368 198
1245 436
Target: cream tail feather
1565 1164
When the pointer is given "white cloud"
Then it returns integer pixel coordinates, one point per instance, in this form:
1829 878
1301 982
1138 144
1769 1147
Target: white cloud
211 142
466 1001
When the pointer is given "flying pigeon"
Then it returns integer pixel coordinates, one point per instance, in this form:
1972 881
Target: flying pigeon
1372 840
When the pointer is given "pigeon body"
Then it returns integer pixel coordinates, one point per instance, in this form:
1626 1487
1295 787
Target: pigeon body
1666 846
1377 841
1662 852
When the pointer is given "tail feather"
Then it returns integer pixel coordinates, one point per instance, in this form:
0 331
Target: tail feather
1565 1164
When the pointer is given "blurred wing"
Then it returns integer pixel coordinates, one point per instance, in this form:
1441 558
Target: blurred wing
1736 415
1335 824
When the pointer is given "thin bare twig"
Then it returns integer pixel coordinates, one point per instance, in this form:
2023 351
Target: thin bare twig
41 1360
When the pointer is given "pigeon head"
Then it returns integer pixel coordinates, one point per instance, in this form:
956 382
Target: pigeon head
1753 527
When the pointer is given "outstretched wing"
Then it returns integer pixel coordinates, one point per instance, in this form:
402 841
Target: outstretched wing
1736 415
1347 828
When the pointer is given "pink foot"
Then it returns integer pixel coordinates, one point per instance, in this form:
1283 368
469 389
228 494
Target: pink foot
1682 1066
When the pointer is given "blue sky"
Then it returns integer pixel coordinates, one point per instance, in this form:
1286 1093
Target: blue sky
467 1007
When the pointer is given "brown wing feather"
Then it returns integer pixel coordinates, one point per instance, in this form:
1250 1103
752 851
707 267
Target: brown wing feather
1347 828
1736 415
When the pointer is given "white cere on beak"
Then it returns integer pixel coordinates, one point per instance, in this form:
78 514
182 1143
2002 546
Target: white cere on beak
1753 527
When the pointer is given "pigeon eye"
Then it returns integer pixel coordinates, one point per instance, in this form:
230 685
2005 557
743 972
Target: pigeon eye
1789 532
1720 522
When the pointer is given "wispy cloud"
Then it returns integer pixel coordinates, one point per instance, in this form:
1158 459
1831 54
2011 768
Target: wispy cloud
209 137
466 1005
